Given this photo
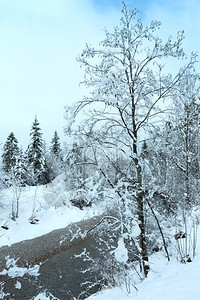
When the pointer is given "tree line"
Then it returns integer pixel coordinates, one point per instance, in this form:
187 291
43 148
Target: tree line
36 165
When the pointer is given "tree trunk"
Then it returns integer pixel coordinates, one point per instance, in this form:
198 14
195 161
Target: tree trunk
141 221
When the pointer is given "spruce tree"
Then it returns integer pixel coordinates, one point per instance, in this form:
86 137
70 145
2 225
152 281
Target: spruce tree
20 169
55 147
35 153
10 153
53 159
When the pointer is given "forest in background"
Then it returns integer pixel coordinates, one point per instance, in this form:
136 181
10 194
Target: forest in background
138 143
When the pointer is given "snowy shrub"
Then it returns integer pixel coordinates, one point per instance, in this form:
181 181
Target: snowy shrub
90 192
186 236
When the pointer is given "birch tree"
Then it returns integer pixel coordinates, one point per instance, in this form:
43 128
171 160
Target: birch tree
127 78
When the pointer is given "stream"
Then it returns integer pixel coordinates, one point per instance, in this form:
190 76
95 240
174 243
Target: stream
66 274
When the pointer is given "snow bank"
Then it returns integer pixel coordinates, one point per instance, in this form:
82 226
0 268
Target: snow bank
13 271
47 205
166 281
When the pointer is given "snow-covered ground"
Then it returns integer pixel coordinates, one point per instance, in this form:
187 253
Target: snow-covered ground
166 281
48 204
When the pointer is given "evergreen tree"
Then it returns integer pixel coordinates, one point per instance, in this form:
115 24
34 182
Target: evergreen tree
10 153
19 171
54 159
55 145
35 153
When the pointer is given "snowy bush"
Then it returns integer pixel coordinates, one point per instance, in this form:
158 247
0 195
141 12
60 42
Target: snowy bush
186 235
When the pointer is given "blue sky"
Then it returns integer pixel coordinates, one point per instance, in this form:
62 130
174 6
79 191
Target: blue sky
103 5
142 5
40 41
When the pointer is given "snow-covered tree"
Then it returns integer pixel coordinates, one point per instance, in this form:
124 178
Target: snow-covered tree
55 147
75 170
15 174
35 154
128 79
10 153
183 140
53 159
19 171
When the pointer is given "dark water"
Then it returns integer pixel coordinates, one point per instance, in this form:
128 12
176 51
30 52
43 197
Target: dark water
67 277
63 275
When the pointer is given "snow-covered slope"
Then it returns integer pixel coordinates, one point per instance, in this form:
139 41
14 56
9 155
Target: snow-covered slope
166 281
48 204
